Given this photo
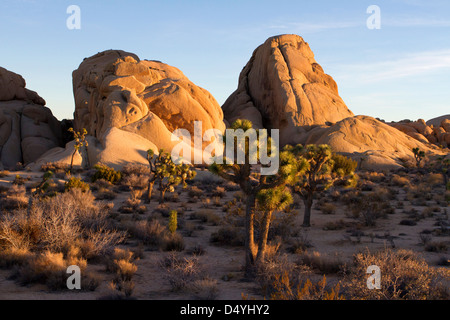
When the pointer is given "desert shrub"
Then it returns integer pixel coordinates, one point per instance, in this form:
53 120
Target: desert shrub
174 242
15 198
280 279
435 179
228 236
436 246
195 191
206 216
14 256
335 225
181 273
219 192
134 181
135 169
205 289
346 164
328 208
48 268
284 289
122 265
19 180
76 183
105 194
400 181
57 167
106 173
405 275
324 264
4 173
407 222
57 223
151 233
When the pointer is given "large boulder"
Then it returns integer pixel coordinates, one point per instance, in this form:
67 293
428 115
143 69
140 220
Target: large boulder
283 87
27 128
433 131
362 137
115 89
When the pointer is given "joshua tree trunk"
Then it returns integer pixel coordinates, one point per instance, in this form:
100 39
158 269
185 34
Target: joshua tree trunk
71 160
162 192
250 250
262 243
308 201
150 190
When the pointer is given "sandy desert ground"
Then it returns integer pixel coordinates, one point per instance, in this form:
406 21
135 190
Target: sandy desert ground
415 218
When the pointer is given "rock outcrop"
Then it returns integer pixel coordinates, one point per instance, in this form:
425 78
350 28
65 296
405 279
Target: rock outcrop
283 87
435 131
130 105
27 128
372 142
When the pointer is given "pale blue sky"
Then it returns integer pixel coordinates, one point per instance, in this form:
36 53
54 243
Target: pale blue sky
400 71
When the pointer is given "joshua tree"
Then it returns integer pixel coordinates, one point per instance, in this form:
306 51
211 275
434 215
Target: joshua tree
268 201
317 170
251 182
80 141
419 155
166 173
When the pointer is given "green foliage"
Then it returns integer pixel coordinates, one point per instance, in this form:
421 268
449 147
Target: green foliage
273 199
344 165
318 169
173 221
76 183
166 174
80 141
419 155
106 173
252 184
44 185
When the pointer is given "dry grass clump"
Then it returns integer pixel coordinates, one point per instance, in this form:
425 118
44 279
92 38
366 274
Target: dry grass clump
134 203
219 192
4 173
195 192
56 224
15 198
228 236
328 208
435 179
400 181
56 167
206 216
324 264
281 279
404 275
182 273
122 265
156 235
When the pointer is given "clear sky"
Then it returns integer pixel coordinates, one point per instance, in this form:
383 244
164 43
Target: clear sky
401 71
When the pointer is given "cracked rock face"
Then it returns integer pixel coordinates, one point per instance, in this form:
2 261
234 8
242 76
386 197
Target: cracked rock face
27 128
283 87
115 89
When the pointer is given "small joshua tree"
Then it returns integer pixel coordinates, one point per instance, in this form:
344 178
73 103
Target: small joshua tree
166 173
317 170
251 183
80 141
419 155
268 201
